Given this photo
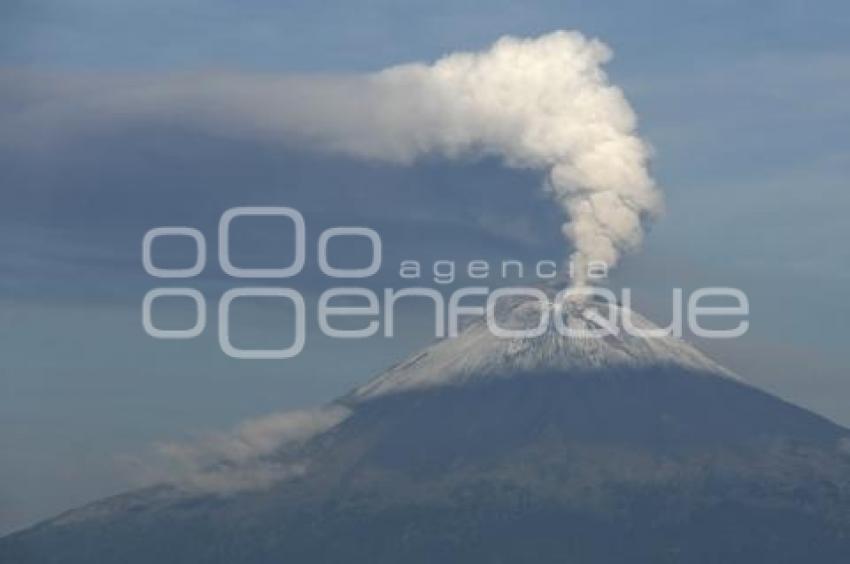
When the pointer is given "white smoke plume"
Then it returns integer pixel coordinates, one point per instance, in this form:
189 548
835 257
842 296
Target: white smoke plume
546 104
543 103
246 458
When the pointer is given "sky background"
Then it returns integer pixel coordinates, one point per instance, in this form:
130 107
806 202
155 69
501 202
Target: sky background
745 105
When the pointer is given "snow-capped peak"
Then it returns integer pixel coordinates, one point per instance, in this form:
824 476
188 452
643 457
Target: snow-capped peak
477 353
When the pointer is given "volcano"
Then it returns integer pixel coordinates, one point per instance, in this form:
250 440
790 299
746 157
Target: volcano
484 449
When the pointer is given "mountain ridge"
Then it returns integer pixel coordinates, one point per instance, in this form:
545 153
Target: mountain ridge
487 450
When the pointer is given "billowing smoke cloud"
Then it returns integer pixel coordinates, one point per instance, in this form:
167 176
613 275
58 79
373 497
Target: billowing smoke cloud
543 104
546 104
252 456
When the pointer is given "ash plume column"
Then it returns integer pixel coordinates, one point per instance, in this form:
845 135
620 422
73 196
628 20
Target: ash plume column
546 104
542 103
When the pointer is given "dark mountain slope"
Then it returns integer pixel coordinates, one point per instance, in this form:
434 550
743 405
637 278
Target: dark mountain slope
480 449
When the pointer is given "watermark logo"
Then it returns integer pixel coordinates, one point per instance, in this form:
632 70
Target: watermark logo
605 313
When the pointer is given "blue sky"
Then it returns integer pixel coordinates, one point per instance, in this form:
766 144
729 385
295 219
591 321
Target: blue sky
744 103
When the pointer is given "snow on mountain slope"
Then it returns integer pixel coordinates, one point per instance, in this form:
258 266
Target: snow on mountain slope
476 353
